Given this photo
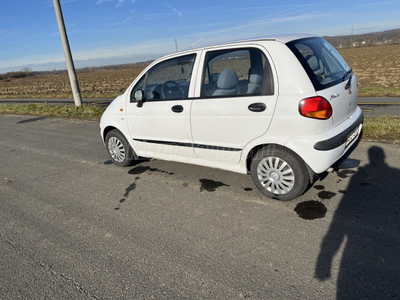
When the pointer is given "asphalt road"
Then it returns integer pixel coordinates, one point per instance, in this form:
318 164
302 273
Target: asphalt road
378 106
371 106
75 226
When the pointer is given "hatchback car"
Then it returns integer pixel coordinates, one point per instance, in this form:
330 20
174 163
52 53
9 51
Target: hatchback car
283 109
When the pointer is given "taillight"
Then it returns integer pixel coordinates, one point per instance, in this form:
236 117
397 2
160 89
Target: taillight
316 108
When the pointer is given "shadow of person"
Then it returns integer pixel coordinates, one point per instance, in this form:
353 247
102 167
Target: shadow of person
368 222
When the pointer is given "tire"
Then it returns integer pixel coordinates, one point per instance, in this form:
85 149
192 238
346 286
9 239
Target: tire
279 173
119 149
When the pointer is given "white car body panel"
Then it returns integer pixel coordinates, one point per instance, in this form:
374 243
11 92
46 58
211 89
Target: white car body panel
343 102
320 161
226 122
155 121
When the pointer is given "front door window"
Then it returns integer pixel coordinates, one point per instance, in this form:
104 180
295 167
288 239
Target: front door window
168 80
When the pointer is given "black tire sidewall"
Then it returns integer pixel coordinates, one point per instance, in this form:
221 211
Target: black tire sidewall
128 150
296 163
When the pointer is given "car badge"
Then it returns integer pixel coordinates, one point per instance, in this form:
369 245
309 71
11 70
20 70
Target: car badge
334 96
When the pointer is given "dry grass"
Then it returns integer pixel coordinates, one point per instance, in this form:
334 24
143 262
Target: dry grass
63 111
384 128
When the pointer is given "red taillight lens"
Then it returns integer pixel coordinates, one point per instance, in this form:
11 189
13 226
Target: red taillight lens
316 108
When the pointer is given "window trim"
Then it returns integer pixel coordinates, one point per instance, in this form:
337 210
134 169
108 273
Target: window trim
227 50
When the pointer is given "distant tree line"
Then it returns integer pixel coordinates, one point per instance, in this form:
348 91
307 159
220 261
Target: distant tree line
141 65
25 72
367 39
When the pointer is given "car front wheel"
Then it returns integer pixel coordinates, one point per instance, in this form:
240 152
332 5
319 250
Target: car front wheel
279 173
119 149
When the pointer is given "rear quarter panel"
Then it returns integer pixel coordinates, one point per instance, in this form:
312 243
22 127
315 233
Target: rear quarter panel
293 86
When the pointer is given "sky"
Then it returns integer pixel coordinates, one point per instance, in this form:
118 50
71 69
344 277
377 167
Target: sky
106 32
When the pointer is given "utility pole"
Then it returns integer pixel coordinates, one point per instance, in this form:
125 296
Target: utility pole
67 53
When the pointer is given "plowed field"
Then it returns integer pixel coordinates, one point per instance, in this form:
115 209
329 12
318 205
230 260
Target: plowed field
377 66
109 83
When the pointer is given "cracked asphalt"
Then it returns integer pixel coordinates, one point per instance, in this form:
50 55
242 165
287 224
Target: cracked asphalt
75 226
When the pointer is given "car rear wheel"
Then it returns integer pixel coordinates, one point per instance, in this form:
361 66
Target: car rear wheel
279 173
119 149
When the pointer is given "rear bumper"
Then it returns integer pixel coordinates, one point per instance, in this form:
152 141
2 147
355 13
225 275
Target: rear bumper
321 151
339 139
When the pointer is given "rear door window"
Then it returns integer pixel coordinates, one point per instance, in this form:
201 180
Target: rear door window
323 64
237 72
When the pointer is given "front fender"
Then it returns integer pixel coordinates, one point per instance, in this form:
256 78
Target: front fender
114 117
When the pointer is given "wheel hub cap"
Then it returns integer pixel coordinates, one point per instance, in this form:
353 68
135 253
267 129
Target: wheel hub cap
116 149
275 175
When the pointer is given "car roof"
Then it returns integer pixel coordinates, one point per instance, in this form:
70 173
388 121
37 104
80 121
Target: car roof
279 38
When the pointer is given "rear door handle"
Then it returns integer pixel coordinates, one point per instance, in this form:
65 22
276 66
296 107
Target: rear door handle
257 107
177 108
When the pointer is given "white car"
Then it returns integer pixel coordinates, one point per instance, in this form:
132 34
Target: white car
282 108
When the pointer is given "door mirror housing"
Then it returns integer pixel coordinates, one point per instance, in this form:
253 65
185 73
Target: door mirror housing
139 97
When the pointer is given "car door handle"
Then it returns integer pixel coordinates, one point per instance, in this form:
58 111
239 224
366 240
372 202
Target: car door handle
257 107
177 108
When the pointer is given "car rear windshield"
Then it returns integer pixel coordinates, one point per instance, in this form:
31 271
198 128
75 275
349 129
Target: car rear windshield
323 64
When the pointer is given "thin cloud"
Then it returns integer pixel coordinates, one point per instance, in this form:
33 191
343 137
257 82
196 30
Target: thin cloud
68 1
380 3
62 3
120 3
178 12
174 9
119 23
156 15
102 1
126 20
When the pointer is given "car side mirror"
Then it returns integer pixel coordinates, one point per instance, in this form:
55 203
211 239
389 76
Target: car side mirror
138 96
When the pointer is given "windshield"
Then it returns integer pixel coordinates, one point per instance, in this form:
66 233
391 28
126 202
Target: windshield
323 64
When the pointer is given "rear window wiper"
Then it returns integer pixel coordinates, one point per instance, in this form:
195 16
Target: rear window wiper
348 84
347 73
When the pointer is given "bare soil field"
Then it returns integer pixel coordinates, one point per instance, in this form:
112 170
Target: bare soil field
108 83
375 67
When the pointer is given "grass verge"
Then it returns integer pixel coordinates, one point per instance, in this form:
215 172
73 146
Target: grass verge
61 95
378 92
89 112
383 128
